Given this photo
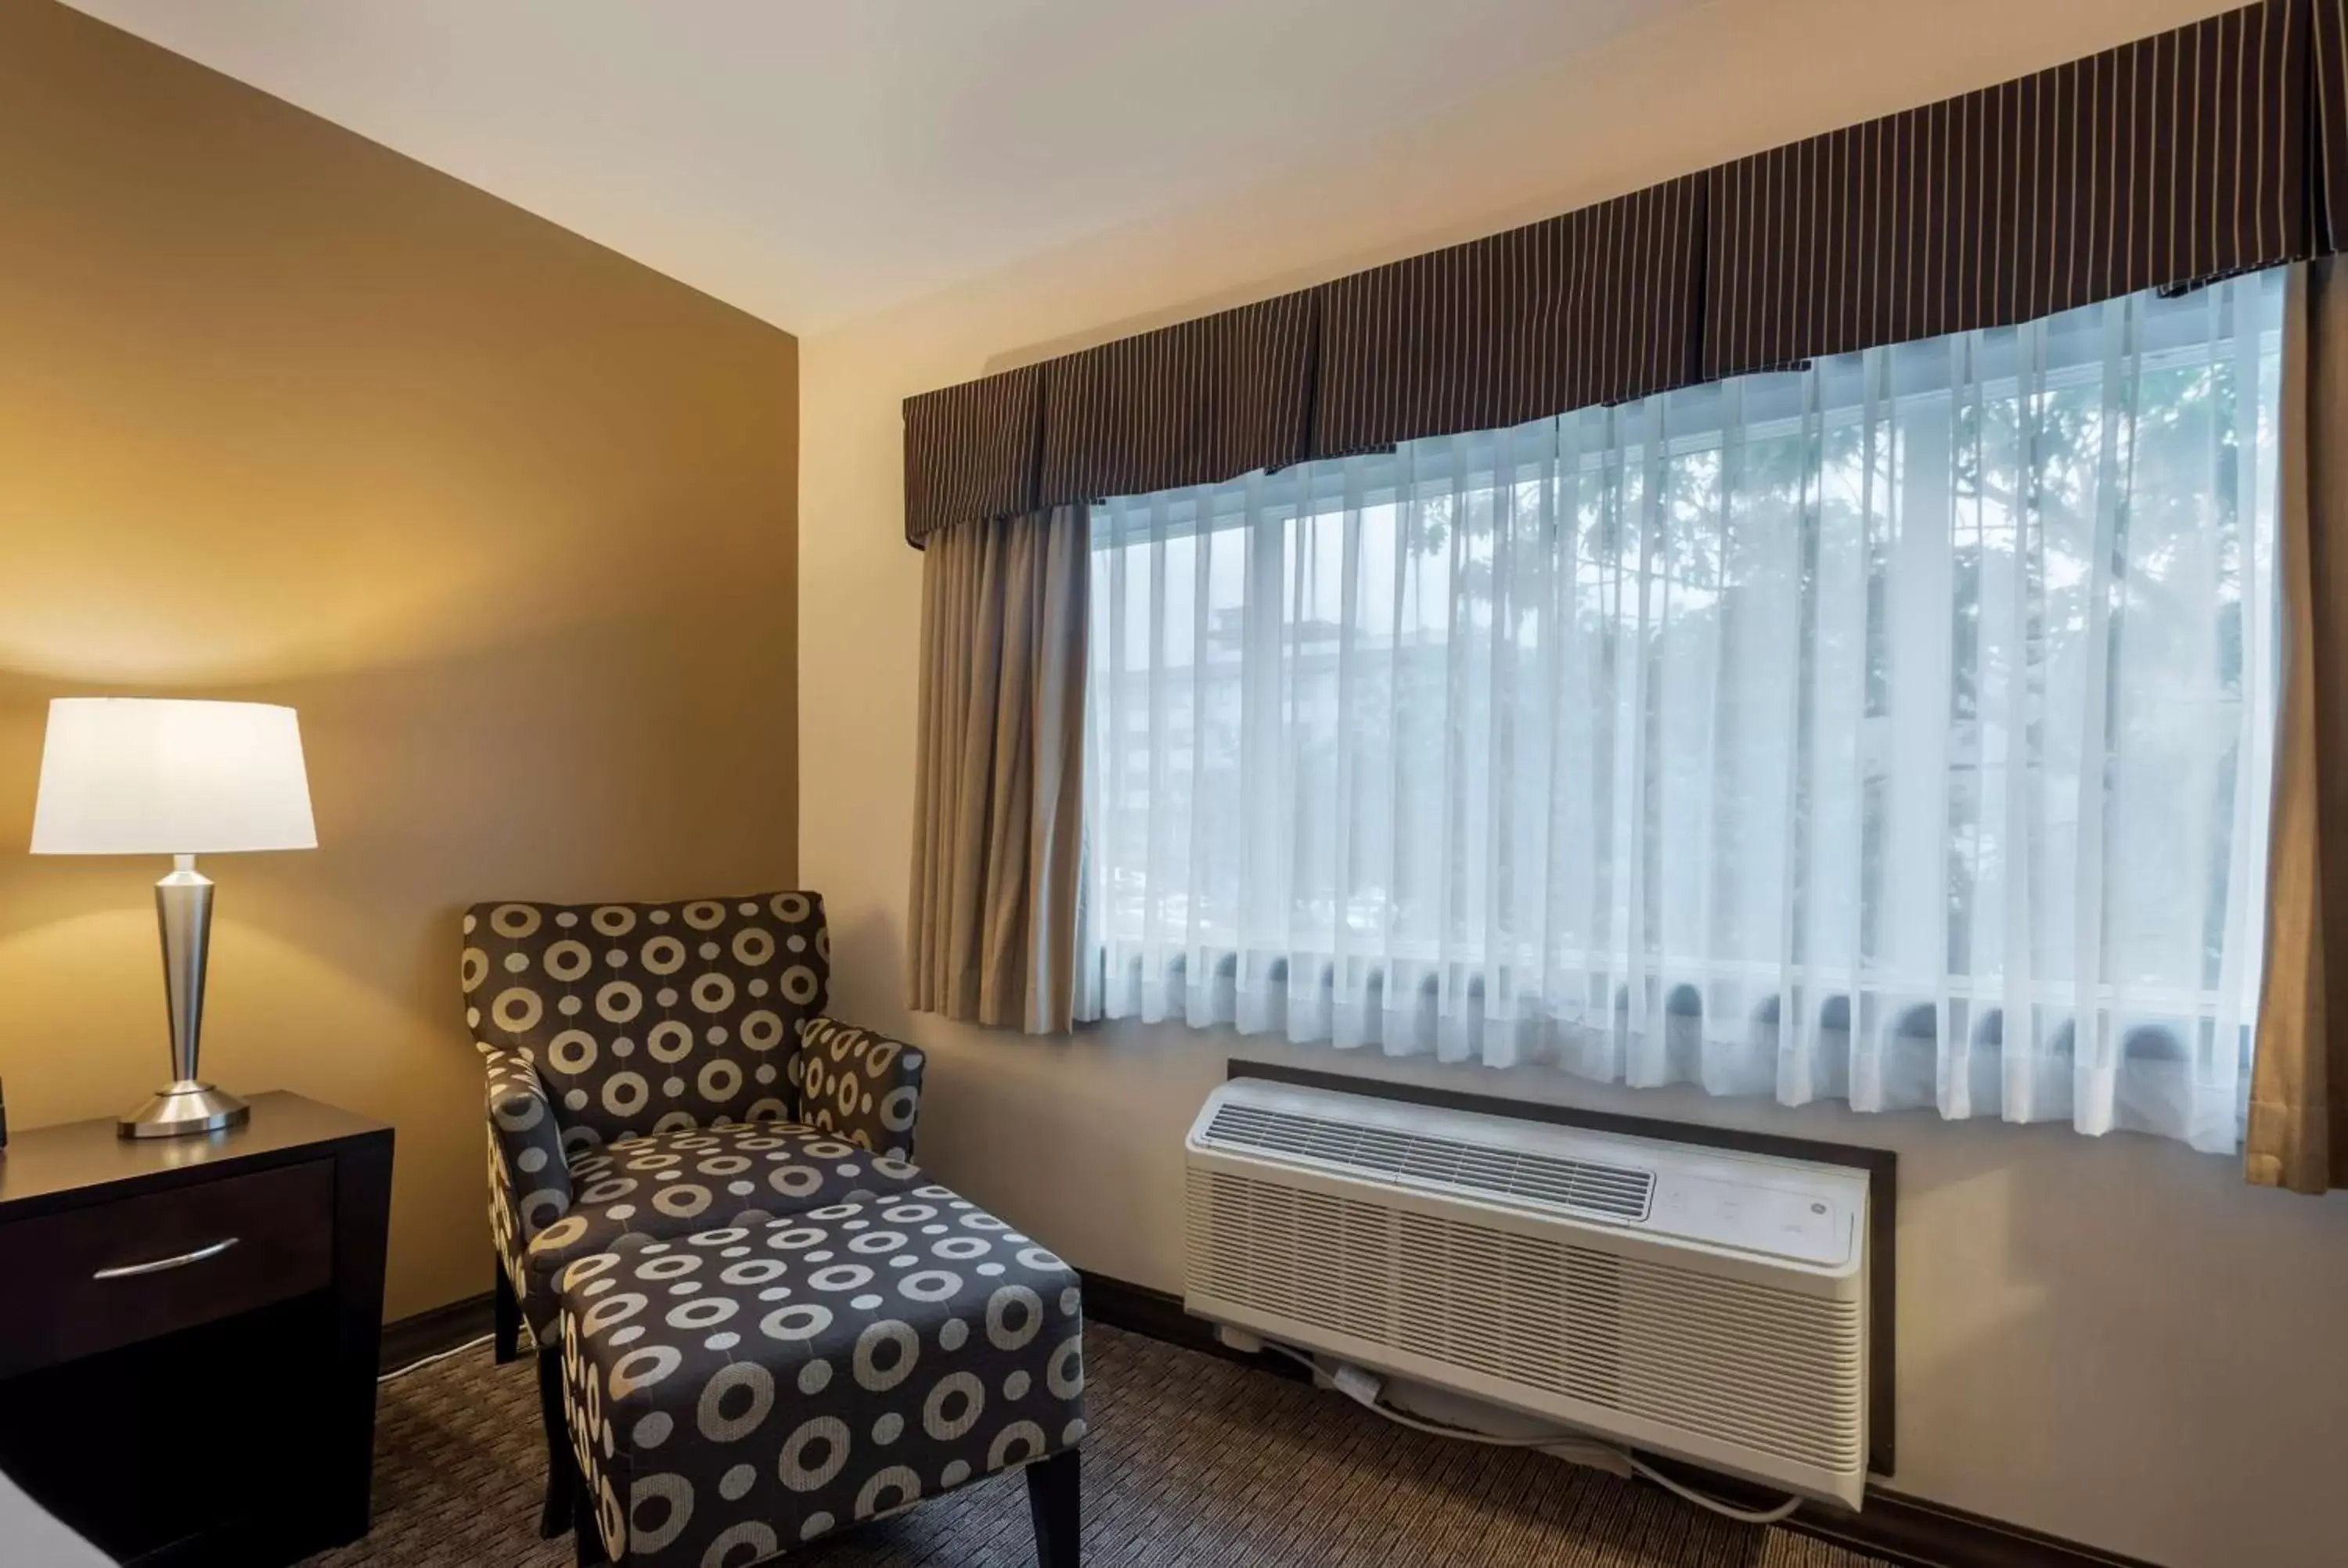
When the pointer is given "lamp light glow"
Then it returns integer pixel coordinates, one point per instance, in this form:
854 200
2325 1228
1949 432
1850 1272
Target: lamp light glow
139 775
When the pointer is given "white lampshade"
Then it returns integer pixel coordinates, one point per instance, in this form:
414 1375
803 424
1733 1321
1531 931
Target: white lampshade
139 775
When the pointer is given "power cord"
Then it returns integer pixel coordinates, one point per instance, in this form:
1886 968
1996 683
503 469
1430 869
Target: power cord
1363 1389
436 1356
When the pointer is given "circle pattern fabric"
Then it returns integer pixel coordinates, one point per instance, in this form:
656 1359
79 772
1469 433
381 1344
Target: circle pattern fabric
529 1185
626 1010
629 1194
861 1084
766 1384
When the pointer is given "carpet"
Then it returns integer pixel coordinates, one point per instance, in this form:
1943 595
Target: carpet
1193 1462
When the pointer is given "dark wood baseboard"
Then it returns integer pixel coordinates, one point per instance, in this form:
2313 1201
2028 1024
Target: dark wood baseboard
1926 1534
439 1328
1905 1530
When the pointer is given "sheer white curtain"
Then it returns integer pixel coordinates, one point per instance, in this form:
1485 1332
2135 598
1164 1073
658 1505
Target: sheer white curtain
1896 730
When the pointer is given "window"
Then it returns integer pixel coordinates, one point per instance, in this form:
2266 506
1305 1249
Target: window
1896 729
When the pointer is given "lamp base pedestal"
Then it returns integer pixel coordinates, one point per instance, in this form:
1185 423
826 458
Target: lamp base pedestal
185 1107
183 912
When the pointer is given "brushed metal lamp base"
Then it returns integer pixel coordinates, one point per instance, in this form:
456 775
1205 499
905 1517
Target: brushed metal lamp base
184 1108
183 913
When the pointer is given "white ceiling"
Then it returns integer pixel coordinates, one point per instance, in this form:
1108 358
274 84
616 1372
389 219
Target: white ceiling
815 161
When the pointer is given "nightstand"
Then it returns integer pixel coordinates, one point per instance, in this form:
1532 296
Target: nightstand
188 1329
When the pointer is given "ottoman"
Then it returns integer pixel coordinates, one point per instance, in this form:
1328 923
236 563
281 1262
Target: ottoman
743 1390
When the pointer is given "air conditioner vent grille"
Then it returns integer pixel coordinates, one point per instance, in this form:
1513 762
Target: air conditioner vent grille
1586 1188
1775 1372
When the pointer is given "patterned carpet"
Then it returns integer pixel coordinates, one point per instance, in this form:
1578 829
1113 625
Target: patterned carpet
1193 1462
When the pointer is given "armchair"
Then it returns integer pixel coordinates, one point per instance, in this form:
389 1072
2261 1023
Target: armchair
652 1071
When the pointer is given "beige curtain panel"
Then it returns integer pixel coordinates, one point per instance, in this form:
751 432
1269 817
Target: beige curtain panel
998 834
2298 1135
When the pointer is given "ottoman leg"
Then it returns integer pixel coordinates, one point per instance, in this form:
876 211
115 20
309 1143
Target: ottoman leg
1055 1502
507 1317
556 1514
587 1537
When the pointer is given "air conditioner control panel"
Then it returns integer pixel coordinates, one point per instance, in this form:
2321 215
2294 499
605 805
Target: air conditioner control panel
1807 1224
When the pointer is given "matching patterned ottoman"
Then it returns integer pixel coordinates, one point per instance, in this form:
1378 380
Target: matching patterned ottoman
747 1389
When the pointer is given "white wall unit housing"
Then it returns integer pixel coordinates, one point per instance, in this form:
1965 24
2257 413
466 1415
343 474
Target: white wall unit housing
1684 1300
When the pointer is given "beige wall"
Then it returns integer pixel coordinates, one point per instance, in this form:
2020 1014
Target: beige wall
510 520
2112 1341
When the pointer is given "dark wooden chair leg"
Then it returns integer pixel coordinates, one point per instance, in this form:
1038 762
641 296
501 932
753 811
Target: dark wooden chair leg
1055 1502
586 1537
508 1318
555 1517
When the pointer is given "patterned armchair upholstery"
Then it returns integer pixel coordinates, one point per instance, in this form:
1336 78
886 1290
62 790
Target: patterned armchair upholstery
530 1183
653 1069
662 1093
651 1017
863 1086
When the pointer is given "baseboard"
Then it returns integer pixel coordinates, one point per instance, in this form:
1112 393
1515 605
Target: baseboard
439 1329
1905 1530
1159 1315
1915 1531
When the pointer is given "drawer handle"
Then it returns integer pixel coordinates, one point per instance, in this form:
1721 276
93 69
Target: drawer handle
128 1270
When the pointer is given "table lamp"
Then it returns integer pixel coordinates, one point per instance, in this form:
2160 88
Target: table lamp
135 775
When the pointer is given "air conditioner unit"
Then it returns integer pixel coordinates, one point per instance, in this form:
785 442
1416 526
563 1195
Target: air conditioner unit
1681 1300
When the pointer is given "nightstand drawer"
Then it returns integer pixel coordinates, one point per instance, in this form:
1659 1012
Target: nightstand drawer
109 1274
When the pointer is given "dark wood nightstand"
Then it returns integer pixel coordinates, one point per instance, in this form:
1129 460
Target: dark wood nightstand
188 1332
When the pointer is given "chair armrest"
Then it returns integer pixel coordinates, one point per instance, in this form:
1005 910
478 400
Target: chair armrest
530 1185
864 1086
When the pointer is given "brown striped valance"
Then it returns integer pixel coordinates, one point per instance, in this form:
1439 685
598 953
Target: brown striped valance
1596 306
2171 160
1187 404
2327 115
1593 307
970 450
2212 148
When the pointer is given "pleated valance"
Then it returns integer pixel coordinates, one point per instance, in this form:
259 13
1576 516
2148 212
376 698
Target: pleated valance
1596 306
2172 160
1187 404
970 450
2210 150
2327 117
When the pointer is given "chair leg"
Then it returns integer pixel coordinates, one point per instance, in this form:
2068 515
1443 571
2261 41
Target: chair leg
508 1318
555 1516
589 1540
1055 1502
